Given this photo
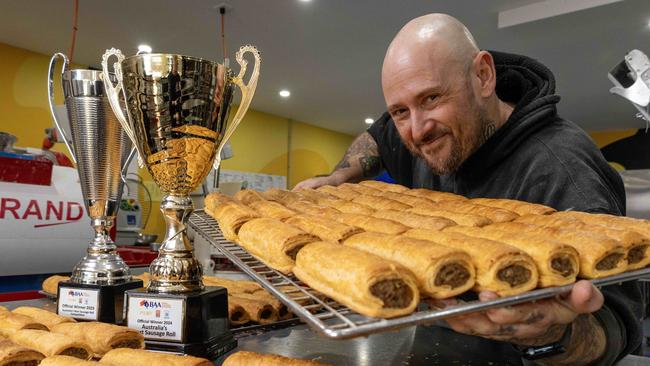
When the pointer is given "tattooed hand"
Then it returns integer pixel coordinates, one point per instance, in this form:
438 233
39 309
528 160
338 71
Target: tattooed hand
543 322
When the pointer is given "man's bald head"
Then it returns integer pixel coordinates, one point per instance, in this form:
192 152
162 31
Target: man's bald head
436 38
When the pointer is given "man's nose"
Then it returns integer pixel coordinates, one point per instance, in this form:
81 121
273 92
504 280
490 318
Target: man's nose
419 127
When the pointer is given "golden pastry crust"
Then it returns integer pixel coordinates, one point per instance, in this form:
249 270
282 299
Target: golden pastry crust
617 222
136 357
383 186
312 194
51 284
311 208
414 220
356 188
500 268
246 196
347 206
237 315
323 228
101 337
233 286
281 196
48 318
372 224
519 207
435 196
599 255
441 271
366 283
231 216
380 203
558 263
145 278
271 209
11 322
3 309
266 298
274 242
636 245
414 201
52 344
257 309
67 361
458 217
214 199
14 354
339 193
247 358
492 213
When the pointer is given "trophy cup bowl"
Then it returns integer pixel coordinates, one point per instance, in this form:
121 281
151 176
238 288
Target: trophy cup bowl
177 117
100 149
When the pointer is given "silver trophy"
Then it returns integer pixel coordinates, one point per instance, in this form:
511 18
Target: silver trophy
177 117
100 148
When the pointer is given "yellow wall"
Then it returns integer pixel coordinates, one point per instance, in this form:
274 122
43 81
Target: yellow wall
260 144
606 137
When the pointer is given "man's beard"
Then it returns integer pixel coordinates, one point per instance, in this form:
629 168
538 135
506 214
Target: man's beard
458 152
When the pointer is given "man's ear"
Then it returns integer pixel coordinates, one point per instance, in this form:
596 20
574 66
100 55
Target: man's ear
485 72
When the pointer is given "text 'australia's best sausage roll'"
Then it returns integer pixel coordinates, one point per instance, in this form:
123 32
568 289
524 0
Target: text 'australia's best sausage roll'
383 186
12 322
599 255
246 196
492 213
372 224
138 357
435 196
414 220
247 358
52 344
441 271
12 354
558 263
323 228
500 268
458 217
102 337
364 282
48 318
68 361
635 244
271 209
519 207
274 242
231 216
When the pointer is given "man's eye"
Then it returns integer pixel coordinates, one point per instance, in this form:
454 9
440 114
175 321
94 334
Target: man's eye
398 113
432 98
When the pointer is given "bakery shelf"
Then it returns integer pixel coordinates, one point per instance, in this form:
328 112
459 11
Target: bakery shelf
336 321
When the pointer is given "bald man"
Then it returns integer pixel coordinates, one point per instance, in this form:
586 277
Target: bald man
485 124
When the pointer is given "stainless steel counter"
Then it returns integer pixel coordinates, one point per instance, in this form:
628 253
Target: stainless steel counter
414 346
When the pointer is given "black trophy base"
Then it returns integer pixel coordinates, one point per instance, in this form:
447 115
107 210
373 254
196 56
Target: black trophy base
103 303
193 323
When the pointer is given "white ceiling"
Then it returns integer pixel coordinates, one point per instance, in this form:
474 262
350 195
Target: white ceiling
329 52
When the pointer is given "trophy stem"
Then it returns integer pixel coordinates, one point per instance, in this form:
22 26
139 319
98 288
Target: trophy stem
102 243
176 270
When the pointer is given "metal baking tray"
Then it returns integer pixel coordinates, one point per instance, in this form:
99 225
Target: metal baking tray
335 320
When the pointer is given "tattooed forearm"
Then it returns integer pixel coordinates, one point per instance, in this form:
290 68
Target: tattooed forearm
587 343
370 165
362 158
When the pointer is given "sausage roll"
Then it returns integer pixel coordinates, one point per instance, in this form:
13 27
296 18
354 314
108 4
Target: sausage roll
247 358
372 224
359 189
274 242
558 263
366 283
313 194
215 199
323 228
492 213
12 354
500 268
383 186
380 203
48 318
338 193
311 208
459 218
67 361
233 286
281 196
257 309
101 337
51 284
11 322
414 220
518 207
347 206
271 209
137 357
441 271
231 216
246 196
599 255
52 344
435 196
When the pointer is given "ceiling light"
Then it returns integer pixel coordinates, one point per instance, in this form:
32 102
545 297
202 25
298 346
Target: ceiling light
143 48
305 1
369 121
284 93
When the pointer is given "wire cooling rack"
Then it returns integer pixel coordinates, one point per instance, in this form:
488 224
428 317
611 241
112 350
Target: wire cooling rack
337 321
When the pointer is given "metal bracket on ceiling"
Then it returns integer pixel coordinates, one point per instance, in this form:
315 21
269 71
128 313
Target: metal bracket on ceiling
631 79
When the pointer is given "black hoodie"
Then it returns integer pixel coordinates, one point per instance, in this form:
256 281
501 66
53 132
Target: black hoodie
536 156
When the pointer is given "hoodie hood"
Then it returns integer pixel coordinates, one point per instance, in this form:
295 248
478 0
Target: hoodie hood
530 87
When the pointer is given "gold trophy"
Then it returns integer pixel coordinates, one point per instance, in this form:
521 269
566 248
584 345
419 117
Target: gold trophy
177 117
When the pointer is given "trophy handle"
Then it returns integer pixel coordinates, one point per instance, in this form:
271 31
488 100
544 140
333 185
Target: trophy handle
50 94
247 92
113 94
127 162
